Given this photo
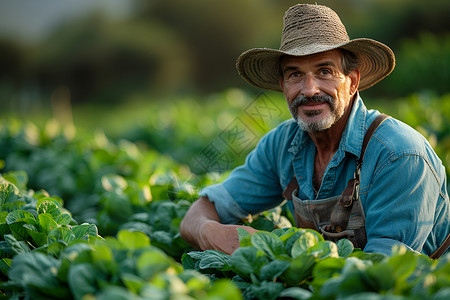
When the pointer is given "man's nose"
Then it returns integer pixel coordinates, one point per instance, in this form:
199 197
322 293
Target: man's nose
309 86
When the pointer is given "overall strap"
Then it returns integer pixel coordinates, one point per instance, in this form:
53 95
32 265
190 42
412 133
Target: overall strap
356 180
341 214
441 250
377 122
293 184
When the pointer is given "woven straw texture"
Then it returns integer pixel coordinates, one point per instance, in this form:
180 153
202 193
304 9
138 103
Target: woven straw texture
310 29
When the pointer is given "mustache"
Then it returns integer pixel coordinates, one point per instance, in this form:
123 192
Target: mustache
301 100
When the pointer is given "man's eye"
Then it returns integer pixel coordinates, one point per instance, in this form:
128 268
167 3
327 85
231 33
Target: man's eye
294 74
325 72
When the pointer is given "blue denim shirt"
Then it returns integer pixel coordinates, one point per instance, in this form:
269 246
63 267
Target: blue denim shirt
403 183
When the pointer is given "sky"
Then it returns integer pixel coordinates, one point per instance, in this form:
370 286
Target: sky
30 20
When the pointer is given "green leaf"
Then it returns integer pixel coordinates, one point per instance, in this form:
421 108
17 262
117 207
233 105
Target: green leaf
67 235
63 219
19 230
279 232
83 230
345 247
114 183
269 243
133 239
55 247
262 224
74 254
355 264
132 282
5 250
20 216
273 269
188 262
18 178
102 253
373 257
442 294
246 241
117 206
267 290
5 265
224 290
137 226
242 233
303 243
300 269
331 287
82 280
151 263
47 222
353 280
195 281
248 260
4 227
290 236
3 216
326 269
139 196
324 249
39 238
213 259
403 265
8 194
49 206
380 277
121 293
16 246
36 273
161 238
296 293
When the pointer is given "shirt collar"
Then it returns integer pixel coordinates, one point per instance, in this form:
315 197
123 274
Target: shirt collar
353 135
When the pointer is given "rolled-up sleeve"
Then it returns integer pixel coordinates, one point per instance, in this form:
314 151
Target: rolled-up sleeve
253 187
401 204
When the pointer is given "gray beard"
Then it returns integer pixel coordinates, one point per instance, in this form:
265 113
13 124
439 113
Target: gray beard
319 125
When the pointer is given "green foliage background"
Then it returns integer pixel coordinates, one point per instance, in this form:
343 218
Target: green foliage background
173 48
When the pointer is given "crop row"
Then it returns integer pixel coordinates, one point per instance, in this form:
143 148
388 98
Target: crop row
85 217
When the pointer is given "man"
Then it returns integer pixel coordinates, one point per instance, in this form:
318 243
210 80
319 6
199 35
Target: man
379 185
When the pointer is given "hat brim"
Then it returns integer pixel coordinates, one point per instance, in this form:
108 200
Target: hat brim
261 66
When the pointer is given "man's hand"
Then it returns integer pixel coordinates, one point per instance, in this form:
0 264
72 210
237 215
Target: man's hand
225 238
201 227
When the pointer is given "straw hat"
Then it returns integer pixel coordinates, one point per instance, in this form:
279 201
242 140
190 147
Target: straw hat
309 29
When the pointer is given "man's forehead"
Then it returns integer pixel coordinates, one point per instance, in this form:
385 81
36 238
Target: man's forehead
328 57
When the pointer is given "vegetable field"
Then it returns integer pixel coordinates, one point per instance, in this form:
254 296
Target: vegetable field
92 215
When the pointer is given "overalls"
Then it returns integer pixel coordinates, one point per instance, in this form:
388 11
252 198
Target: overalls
340 216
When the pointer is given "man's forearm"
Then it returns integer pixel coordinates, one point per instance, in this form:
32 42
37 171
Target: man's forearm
200 212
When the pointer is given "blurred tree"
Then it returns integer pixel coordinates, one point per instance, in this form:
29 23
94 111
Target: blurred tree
216 32
423 64
12 61
177 46
107 61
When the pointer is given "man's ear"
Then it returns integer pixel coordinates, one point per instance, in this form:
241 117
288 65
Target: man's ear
354 84
281 82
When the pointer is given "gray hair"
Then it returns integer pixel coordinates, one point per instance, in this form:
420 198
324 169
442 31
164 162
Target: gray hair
349 61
